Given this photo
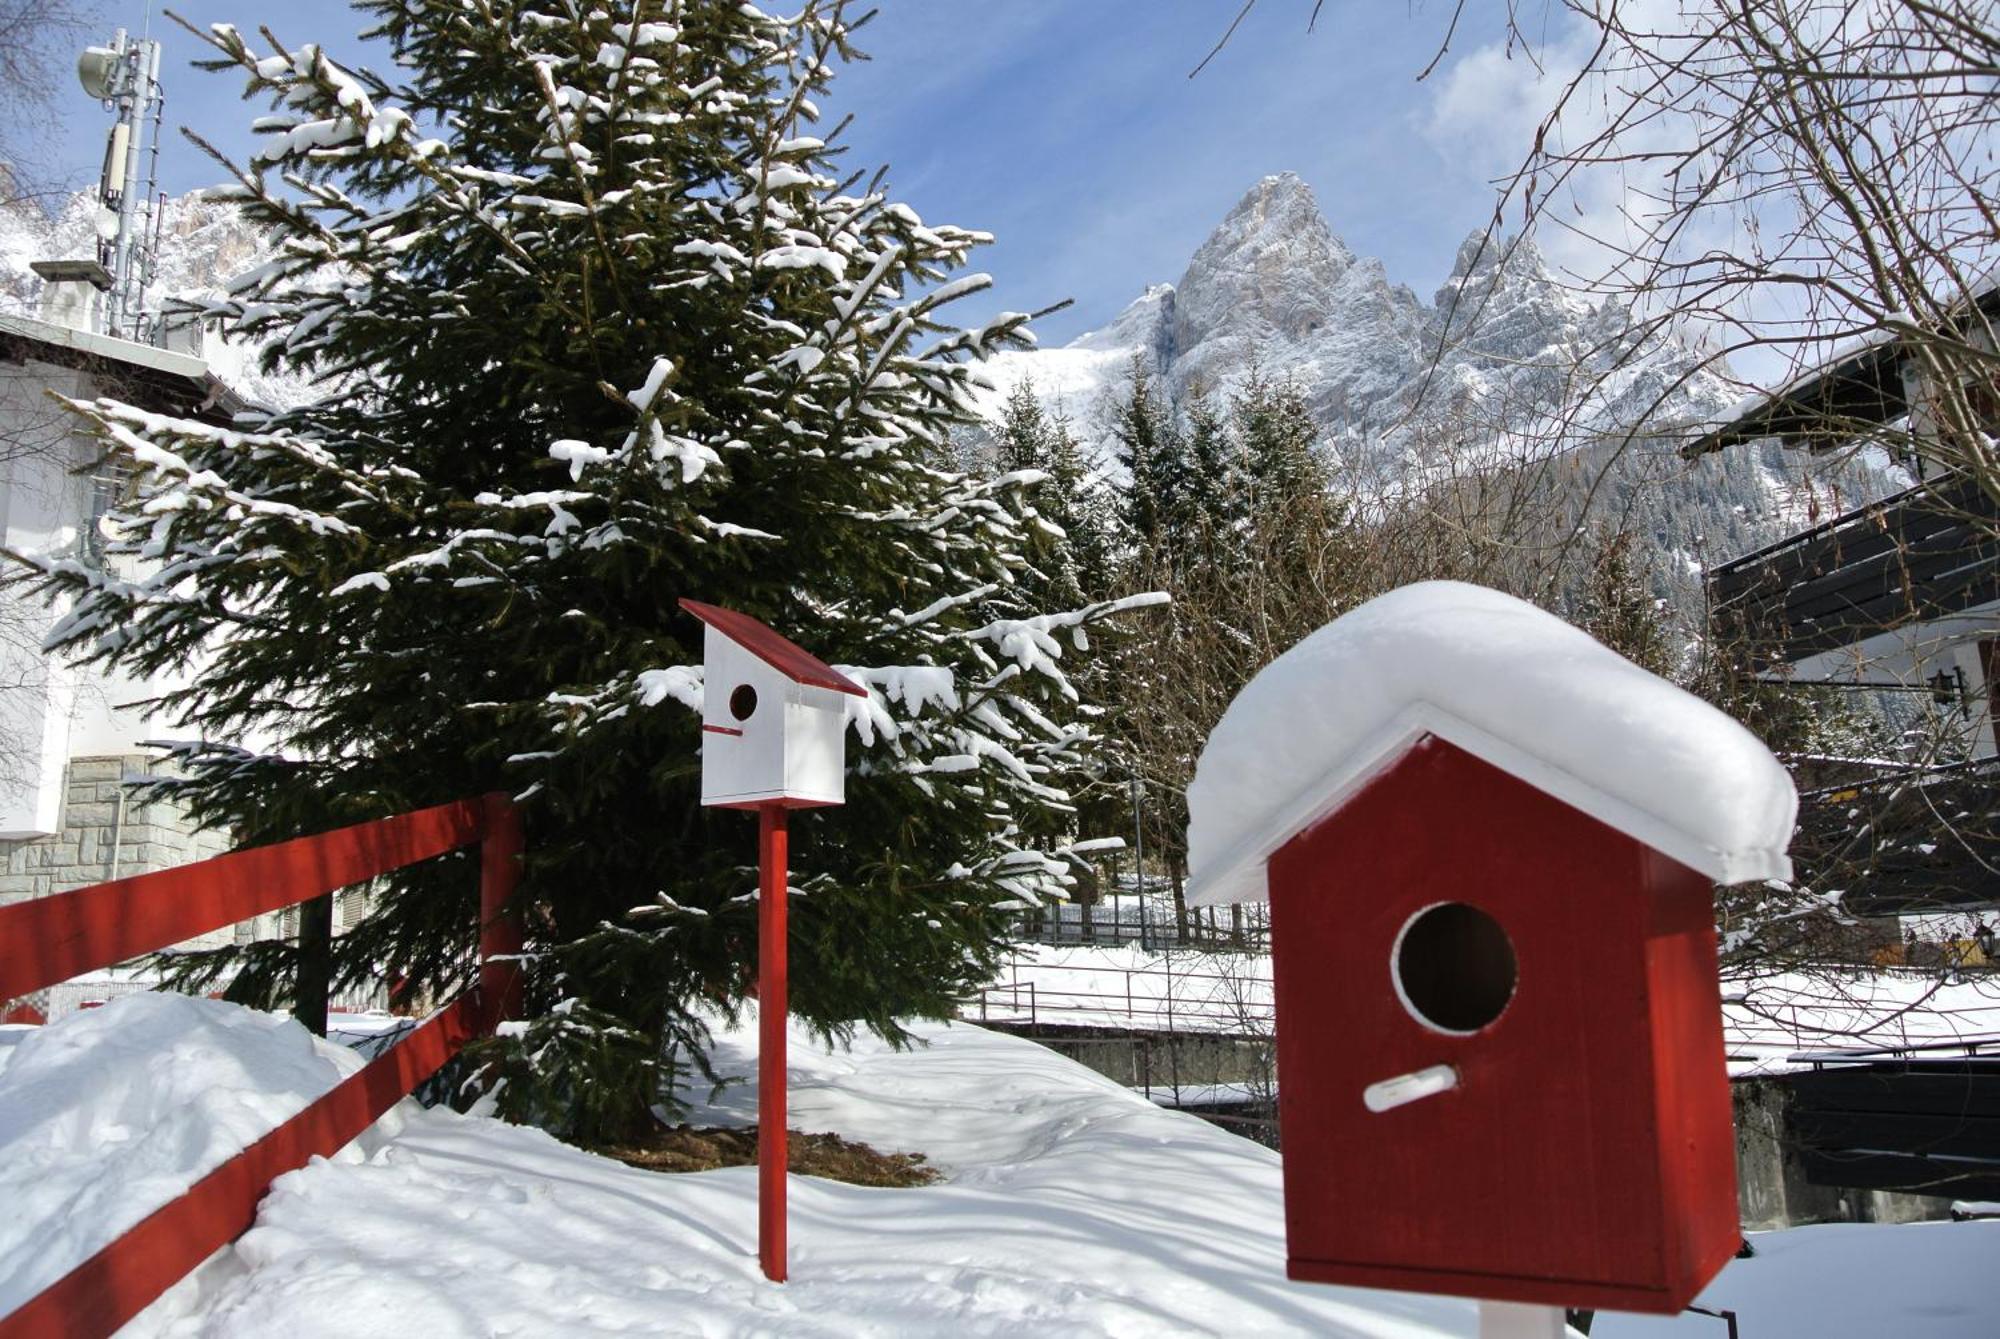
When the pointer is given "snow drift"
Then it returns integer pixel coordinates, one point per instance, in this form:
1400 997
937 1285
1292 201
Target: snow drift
113 1112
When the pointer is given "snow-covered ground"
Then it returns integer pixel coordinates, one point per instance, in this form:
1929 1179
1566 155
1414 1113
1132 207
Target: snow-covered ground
112 1112
1765 1021
1845 1281
1070 1207
1768 1020
1126 986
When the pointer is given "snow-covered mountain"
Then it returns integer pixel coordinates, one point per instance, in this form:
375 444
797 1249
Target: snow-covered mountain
1503 363
1501 345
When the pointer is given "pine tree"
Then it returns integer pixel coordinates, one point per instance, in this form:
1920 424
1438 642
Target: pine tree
598 327
1027 446
1618 606
1275 427
1085 509
1072 557
1023 440
1154 454
1218 493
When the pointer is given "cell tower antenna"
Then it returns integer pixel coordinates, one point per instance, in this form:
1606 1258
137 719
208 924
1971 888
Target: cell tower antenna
125 76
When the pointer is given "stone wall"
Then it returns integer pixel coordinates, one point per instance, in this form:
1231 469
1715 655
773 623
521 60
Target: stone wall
1162 1061
100 811
106 833
1772 1190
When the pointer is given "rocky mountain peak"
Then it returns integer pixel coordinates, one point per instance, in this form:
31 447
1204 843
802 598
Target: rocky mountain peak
1480 251
1279 213
1272 275
1504 340
1487 261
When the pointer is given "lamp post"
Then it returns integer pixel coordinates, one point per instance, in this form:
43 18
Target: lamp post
1138 793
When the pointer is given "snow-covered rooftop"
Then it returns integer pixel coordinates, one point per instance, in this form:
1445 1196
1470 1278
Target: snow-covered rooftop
104 346
1506 682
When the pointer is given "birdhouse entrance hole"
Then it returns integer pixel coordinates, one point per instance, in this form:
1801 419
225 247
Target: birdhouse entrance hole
1454 968
743 702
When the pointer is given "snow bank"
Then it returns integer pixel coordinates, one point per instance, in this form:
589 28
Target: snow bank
110 1113
1506 682
1071 1207
1844 1281
1767 1020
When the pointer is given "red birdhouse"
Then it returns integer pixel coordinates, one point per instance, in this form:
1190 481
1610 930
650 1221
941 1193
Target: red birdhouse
1489 846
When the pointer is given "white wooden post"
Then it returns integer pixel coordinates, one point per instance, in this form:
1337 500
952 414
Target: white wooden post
1520 1320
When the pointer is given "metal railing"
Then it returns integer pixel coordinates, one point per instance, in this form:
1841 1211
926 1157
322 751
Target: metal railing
1149 999
1148 922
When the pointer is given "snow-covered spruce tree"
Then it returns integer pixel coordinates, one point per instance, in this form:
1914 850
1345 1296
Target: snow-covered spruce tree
1073 554
599 328
1617 606
1217 503
1154 454
1277 433
1029 440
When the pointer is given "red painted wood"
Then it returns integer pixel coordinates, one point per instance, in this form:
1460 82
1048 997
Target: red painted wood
772 1007
93 927
52 939
1582 1293
772 647
500 933
1691 1073
119 1281
1585 1157
786 802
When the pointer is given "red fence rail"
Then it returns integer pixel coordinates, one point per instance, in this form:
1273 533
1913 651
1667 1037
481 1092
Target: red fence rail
54 938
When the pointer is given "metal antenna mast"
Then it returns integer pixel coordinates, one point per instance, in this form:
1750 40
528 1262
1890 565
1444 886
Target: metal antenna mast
126 77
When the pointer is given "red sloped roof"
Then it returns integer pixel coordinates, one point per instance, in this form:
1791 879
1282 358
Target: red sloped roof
772 647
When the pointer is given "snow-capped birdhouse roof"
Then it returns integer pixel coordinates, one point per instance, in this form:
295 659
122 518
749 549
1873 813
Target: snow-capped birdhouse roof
773 648
1506 682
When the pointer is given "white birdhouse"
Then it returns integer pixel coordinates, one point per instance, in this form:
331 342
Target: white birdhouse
774 727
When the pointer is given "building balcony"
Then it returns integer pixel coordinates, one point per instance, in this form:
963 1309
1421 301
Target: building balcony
1870 592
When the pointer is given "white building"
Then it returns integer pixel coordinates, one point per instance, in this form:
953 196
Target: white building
73 740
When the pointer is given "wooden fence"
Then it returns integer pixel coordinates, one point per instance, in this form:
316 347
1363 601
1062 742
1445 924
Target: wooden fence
54 938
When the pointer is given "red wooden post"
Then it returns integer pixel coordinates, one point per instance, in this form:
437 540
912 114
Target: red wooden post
774 731
500 934
771 1012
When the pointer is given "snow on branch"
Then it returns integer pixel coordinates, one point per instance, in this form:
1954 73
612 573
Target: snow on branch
1030 642
682 683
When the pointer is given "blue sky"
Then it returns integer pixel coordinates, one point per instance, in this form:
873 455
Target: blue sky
1071 130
